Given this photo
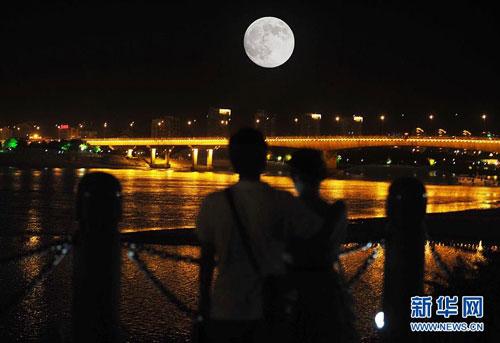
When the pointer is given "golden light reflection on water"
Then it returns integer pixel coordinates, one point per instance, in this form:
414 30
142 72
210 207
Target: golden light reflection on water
164 199
365 199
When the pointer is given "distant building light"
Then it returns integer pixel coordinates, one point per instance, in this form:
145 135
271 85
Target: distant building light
491 161
315 116
225 111
357 119
63 127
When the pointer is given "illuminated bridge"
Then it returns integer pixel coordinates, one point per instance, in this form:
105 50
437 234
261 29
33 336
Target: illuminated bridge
321 142
324 143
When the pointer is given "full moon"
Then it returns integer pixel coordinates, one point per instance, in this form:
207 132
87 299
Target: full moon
269 42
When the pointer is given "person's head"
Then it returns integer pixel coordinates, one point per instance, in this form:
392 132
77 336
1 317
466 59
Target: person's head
307 169
247 152
407 201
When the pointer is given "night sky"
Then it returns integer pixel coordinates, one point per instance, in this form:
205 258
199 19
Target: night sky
133 61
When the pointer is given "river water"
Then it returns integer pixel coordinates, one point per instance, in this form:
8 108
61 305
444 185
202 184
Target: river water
36 205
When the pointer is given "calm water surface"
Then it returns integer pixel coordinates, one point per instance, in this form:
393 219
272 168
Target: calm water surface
37 204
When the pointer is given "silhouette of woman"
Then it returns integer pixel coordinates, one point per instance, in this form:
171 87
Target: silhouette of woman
324 310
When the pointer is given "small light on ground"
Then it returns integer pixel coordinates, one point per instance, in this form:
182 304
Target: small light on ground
379 320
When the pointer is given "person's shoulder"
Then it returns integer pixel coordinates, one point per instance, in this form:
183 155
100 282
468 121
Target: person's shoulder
284 199
338 205
210 208
213 198
281 194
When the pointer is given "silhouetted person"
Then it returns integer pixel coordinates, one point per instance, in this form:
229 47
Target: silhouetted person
308 170
404 256
244 228
325 313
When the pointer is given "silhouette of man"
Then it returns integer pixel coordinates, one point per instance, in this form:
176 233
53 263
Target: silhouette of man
235 304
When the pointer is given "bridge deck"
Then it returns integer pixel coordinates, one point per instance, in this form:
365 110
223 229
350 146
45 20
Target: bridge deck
320 142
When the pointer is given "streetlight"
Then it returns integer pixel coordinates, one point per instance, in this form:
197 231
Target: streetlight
358 119
431 118
382 120
484 116
340 125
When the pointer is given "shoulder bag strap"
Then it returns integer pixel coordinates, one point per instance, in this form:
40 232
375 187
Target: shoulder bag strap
245 238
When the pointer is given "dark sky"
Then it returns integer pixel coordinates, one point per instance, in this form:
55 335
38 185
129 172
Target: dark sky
129 60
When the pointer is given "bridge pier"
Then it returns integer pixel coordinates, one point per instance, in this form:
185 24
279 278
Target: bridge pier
194 158
153 155
210 157
167 157
330 158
